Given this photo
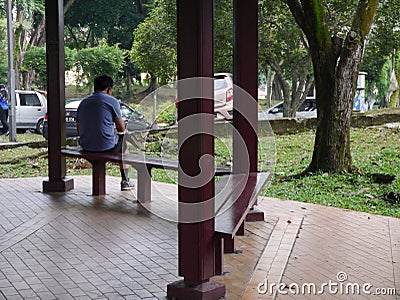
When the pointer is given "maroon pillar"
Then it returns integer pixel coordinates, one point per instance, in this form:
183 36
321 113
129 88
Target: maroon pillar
245 76
196 239
55 96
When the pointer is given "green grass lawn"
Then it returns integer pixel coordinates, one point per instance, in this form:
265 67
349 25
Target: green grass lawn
374 150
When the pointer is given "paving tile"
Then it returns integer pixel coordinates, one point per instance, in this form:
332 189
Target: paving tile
26 293
75 292
46 296
65 297
9 291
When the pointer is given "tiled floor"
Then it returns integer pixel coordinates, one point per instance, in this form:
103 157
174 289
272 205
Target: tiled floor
75 246
352 250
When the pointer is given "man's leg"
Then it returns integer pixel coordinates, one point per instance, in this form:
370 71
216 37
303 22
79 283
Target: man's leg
3 120
121 147
7 125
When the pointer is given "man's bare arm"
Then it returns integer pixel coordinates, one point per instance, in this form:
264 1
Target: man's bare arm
119 124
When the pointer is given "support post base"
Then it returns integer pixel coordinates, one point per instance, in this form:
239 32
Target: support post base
62 185
182 290
255 215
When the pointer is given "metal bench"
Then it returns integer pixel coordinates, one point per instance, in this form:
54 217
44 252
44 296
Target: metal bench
236 194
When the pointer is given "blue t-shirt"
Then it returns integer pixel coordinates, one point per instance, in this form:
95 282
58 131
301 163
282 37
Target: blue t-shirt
95 116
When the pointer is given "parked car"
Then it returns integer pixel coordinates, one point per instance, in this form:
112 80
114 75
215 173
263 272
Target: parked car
134 120
223 96
30 110
307 110
262 93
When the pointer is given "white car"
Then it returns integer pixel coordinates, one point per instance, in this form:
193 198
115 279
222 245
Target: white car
223 96
30 110
262 93
307 110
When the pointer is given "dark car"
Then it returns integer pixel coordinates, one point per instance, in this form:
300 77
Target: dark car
308 109
133 119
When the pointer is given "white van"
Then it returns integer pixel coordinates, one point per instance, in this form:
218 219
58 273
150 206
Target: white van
30 109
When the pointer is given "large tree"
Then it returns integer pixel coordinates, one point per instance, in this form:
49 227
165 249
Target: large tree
336 63
29 30
154 45
284 49
28 24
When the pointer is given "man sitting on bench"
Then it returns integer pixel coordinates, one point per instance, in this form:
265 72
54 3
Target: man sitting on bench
96 117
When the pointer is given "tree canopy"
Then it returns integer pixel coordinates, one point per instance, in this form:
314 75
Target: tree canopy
154 45
35 62
3 51
102 59
89 22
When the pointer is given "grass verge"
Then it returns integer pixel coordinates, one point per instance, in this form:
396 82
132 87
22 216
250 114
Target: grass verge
374 151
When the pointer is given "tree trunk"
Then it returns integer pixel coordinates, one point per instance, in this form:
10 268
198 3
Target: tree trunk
37 35
68 5
300 84
286 95
284 85
293 96
152 87
139 6
276 89
129 82
268 87
334 107
27 78
331 142
392 94
18 37
336 65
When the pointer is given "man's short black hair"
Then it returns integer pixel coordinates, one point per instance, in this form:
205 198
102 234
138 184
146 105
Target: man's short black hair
102 82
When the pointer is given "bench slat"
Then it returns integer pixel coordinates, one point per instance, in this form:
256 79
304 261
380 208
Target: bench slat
235 195
135 160
143 165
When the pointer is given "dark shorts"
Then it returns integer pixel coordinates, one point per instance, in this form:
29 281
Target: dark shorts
121 145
